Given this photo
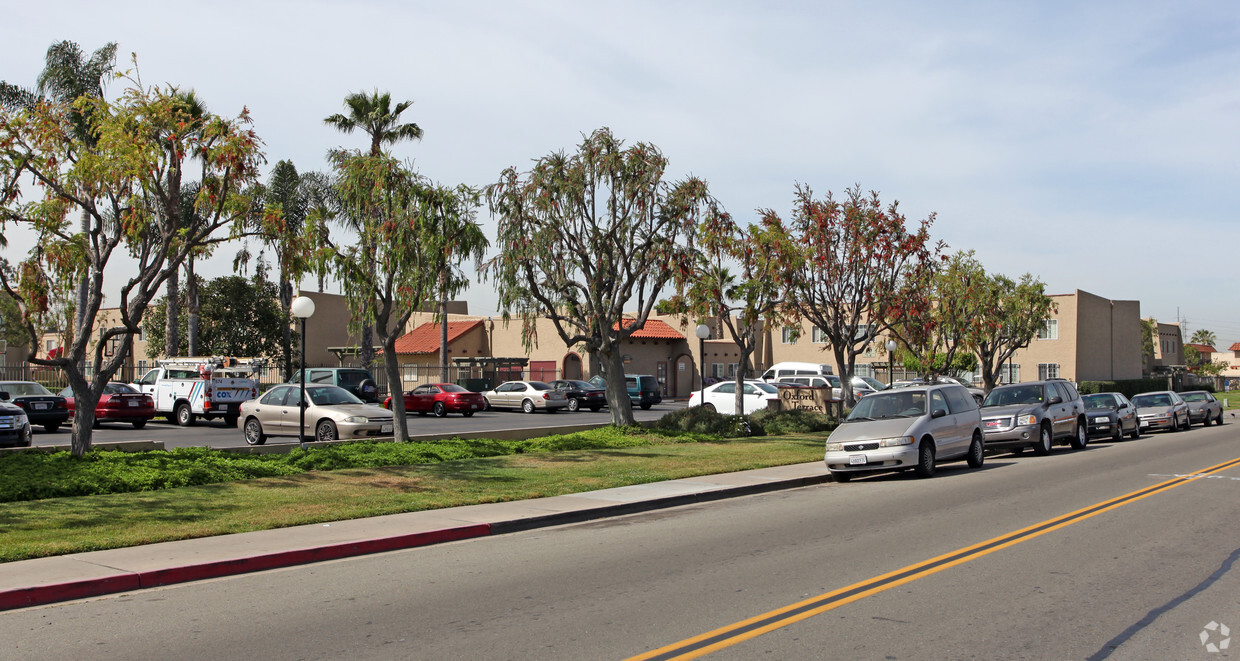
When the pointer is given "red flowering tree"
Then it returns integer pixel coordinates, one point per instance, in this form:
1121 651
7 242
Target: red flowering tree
852 268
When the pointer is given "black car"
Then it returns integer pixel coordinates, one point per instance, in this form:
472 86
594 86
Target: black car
40 405
1111 414
14 426
581 394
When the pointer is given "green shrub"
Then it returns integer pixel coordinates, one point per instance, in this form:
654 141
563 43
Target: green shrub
703 421
795 421
1126 387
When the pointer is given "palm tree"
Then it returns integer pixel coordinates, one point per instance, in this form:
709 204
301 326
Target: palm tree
66 77
194 113
374 114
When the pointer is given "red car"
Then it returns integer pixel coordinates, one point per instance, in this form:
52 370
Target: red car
118 403
441 399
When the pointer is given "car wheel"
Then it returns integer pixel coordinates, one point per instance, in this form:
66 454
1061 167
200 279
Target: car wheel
1218 420
1081 439
977 452
139 424
646 407
527 406
709 407
52 426
573 404
185 417
28 437
326 431
1205 422
1118 434
486 404
925 459
1188 421
253 431
1043 446
595 409
439 409
1136 429
840 476
467 414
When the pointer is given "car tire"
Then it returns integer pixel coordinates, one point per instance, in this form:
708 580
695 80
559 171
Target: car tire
709 407
184 416
486 404
573 404
1081 439
646 406
840 476
527 406
139 424
467 414
977 452
28 437
1219 419
1205 422
1188 421
1119 432
253 432
925 459
326 431
439 409
595 409
1136 429
1043 446
52 426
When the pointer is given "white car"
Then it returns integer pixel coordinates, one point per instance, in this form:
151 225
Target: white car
721 397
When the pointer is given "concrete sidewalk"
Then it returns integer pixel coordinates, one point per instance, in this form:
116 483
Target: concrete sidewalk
61 578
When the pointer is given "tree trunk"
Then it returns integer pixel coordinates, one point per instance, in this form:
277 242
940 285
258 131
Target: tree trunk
391 365
286 301
172 339
193 307
611 366
79 316
443 339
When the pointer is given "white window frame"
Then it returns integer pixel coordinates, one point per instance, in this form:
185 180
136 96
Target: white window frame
1048 371
717 370
817 335
1009 373
863 369
409 372
1050 330
787 335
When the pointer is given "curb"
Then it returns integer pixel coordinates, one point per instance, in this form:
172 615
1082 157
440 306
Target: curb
55 592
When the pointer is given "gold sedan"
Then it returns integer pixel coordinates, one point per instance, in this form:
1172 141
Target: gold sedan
333 413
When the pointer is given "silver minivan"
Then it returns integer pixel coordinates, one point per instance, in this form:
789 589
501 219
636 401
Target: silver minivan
909 428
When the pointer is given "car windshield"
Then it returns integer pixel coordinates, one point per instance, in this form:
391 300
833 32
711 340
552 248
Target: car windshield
871 382
451 387
24 389
889 405
1193 396
1152 400
352 377
1014 395
1098 401
331 396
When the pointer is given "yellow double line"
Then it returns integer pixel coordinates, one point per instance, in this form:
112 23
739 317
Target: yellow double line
712 641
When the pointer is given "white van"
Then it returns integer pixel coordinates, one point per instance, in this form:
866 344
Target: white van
784 370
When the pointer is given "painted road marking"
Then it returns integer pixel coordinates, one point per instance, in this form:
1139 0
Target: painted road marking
712 641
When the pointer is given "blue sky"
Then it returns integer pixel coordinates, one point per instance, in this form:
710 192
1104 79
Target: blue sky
1095 145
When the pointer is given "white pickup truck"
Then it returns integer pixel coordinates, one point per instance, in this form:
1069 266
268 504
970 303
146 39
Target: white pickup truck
187 388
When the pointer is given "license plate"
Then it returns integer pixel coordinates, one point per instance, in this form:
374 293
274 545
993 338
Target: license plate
132 404
473 407
856 459
42 406
1100 421
387 429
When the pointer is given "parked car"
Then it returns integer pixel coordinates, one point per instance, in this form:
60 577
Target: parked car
780 371
581 394
120 402
1036 414
868 382
1111 414
721 397
1162 409
356 380
644 390
911 428
529 396
1203 407
332 413
14 425
977 393
40 405
441 399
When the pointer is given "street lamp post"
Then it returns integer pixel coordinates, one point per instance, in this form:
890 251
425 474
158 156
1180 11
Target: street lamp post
891 362
703 334
302 308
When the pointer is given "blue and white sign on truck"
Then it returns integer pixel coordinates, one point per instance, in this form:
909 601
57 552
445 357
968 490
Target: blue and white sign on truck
185 389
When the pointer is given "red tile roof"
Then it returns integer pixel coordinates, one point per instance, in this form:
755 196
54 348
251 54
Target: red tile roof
654 329
425 338
1235 347
1203 348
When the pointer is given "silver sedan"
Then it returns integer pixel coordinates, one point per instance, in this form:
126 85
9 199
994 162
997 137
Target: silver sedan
529 396
333 413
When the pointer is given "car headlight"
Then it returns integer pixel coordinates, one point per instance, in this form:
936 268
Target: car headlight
355 419
1027 419
895 442
835 447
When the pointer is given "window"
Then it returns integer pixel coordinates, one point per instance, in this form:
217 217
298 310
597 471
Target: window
142 366
1050 331
790 335
409 372
717 370
865 331
732 370
1009 373
51 344
817 336
1048 371
863 369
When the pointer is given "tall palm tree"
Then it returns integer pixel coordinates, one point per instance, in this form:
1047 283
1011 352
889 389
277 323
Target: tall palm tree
66 76
194 114
374 114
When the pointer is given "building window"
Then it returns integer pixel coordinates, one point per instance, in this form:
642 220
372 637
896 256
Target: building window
790 336
1009 373
865 331
732 370
1048 371
142 366
863 369
717 370
817 336
1050 331
51 344
409 373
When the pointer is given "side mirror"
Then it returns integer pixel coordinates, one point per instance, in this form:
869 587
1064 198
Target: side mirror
1055 400
4 395
938 413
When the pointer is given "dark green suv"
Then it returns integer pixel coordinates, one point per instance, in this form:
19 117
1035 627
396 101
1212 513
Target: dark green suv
356 380
644 390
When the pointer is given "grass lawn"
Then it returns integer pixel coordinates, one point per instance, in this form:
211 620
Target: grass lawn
56 526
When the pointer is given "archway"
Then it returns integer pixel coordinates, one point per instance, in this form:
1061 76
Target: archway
572 366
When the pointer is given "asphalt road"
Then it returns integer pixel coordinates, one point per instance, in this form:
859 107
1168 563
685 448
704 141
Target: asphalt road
1139 569
214 433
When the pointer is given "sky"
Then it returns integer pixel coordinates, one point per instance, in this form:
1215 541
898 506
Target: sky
1095 145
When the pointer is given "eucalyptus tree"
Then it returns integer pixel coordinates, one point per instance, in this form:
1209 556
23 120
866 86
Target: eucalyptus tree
454 213
122 182
582 236
375 115
851 269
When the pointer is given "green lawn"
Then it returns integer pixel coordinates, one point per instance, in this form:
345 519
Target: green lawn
55 526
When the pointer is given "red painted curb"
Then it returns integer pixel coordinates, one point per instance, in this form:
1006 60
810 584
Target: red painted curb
51 593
